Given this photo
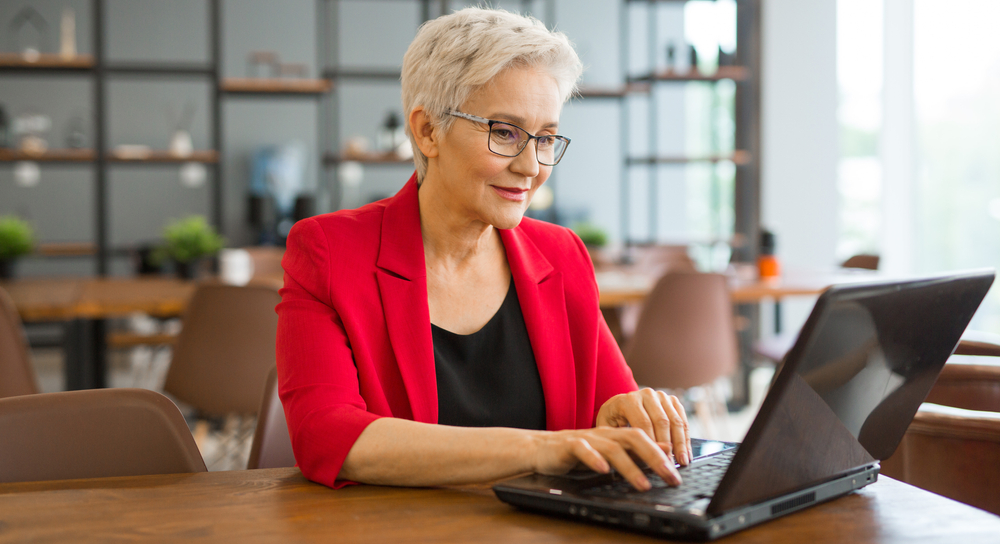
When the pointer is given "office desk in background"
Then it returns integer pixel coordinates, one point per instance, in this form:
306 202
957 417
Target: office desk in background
279 505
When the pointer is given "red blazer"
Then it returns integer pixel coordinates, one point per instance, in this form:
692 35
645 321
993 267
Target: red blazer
354 333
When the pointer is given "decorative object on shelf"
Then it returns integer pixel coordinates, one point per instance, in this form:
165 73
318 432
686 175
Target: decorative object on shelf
671 57
357 147
351 173
594 238
277 174
149 259
292 70
692 59
235 266
180 142
726 59
16 238
27 173
190 240
6 139
67 34
132 152
543 199
76 138
193 174
256 59
392 134
30 129
16 30
767 263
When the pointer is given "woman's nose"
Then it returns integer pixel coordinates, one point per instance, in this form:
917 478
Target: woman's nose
526 163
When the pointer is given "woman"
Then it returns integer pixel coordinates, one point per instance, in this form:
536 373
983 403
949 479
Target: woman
437 338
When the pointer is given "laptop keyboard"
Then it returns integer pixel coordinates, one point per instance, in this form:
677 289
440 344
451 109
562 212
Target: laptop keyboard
700 482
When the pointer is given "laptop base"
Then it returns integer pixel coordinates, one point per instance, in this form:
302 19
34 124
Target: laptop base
533 493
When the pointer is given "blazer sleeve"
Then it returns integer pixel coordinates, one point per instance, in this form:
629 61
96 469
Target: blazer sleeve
613 375
318 381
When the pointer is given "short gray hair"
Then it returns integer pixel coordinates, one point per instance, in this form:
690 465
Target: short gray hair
454 55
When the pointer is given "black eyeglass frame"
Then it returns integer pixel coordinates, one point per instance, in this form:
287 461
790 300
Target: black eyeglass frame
491 122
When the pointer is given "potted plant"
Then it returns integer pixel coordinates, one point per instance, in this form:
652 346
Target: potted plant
594 238
188 241
16 238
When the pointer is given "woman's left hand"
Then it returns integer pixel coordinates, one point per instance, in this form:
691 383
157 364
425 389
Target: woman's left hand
659 415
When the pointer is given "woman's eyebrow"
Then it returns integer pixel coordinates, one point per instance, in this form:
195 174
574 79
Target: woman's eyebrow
517 120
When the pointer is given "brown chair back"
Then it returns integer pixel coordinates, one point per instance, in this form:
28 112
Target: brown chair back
225 349
17 377
952 447
685 336
93 434
272 446
866 262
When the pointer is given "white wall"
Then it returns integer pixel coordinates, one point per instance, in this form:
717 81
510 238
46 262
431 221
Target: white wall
799 130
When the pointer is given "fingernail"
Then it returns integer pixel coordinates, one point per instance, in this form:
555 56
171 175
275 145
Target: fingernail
644 484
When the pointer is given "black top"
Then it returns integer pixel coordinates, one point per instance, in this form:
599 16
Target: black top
489 378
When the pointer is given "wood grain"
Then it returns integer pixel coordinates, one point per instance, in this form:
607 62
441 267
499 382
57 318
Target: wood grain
279 505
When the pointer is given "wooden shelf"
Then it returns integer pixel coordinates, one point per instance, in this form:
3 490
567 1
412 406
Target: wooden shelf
159 156
739 158
735 73
65 249
367 158
363 73
46 60
613 92
275 86
51 155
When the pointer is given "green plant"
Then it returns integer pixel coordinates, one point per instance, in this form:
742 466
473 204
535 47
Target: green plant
16 237
191 238
591 234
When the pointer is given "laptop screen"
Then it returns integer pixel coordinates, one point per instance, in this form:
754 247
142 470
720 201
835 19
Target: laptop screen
864 361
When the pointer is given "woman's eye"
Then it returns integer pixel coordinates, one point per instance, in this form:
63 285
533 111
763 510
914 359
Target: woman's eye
546 141
504 133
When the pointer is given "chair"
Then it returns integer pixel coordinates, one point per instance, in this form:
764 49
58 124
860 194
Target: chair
952 447
686 338
863 261
17 376
272 446
93 434
223 354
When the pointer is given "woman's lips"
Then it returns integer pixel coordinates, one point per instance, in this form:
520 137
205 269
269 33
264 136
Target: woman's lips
511 193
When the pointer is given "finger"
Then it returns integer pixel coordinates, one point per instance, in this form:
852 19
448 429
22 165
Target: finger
634 411
619 458
651 453
656 405
687 429
589 456
680 436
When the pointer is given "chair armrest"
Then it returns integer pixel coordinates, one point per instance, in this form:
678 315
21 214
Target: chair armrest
950 422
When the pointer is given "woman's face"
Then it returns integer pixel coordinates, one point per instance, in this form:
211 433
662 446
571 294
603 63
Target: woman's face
488 187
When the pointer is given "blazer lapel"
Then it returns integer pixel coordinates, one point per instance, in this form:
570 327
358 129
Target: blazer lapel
542 298
402 281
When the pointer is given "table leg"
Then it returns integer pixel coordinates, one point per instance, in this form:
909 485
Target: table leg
85 349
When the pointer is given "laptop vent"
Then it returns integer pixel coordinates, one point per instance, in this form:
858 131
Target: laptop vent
792 503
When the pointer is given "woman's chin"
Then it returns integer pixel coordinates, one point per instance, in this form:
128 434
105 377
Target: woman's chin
507 219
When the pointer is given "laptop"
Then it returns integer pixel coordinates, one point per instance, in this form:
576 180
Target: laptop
845 394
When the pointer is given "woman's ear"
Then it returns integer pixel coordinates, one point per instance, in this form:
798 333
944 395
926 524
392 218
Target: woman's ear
424 132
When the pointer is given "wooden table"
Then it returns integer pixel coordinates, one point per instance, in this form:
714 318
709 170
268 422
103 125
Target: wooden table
85 303
279 505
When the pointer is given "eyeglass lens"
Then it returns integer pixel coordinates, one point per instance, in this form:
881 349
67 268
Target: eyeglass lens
508 140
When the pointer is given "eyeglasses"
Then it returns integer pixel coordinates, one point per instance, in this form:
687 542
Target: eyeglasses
509 140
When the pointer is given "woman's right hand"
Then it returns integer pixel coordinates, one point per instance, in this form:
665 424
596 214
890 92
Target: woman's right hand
601 448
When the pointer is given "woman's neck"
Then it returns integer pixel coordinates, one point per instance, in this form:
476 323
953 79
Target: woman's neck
452 238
